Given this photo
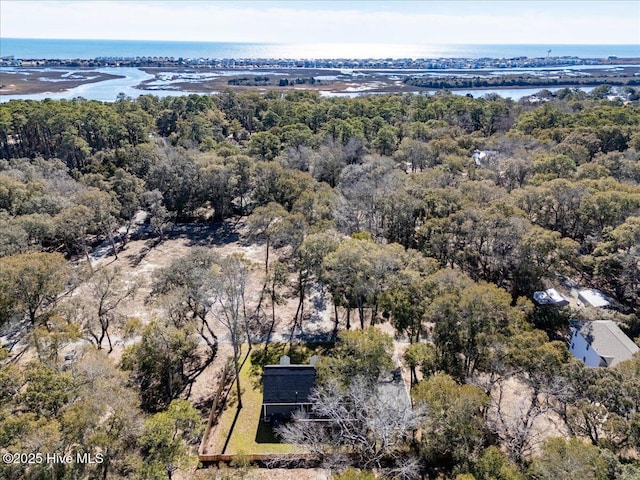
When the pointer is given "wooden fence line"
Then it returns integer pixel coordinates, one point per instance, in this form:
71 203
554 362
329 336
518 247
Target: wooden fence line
269 457
214 407
216 400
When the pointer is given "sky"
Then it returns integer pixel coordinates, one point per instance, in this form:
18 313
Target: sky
359 21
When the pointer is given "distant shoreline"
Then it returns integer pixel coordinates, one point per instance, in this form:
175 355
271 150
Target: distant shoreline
201 79
457 63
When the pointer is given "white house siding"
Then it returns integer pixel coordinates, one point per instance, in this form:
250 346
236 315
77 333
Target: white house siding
580 348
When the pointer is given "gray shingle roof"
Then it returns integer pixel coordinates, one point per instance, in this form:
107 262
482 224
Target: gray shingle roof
393 390
287 383
606 338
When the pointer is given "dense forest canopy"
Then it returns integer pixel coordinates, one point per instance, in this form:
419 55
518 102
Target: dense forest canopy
563 180
440 214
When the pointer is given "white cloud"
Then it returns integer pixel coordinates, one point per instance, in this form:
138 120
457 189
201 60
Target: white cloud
295 22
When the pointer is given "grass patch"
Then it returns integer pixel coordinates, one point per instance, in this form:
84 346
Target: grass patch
299 354
243 432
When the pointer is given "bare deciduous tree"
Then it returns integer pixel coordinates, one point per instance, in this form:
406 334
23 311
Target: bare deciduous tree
515 428
359 425
187 289
230 278
100 309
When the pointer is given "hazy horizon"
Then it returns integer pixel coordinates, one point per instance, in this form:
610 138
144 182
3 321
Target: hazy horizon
92 48
402 22
310 43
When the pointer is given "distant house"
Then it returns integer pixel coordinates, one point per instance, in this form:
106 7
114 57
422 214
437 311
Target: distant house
550 297
286 388
482 157
535 99
594 298
600 343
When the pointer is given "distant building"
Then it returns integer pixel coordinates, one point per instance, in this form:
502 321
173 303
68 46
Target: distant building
594 298
600 343
482 157
536 99
550 297
286 388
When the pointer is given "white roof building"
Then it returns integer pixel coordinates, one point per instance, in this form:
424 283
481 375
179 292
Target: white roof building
550 297
594 298
480 157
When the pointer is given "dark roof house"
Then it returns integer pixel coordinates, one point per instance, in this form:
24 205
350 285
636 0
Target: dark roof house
286 388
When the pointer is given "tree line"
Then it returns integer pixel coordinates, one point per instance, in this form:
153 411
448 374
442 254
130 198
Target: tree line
533 81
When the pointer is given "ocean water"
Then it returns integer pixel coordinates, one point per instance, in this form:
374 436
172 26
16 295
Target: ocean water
88 49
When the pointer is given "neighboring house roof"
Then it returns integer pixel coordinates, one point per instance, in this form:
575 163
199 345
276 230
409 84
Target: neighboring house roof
287 384
393 390
607 340
550 297
594 297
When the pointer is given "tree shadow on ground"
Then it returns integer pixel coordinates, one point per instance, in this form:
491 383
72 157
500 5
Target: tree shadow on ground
233 425
203 234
